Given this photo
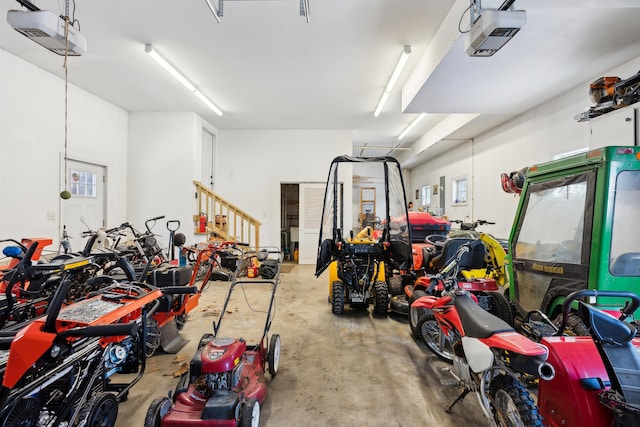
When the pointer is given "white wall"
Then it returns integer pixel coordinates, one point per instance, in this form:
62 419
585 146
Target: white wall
164 160
253 163
32 142
533 137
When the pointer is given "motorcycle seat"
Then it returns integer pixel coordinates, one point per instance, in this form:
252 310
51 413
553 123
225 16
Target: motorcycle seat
477 322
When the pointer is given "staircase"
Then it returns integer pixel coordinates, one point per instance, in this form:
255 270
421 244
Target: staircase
224 221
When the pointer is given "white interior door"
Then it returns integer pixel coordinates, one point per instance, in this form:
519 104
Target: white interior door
311 202
208 159
85 181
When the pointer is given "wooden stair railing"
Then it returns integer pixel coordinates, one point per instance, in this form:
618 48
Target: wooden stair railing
224 221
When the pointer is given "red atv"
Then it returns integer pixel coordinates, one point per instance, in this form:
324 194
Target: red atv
225 385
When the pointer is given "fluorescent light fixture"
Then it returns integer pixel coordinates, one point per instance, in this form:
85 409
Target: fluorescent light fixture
412 125
406 51
153 52
213 10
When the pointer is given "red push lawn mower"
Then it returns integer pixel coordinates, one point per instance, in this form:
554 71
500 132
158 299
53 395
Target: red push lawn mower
225 385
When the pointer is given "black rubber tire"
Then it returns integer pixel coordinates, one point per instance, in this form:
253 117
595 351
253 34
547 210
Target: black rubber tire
337 297
416 313
395 285
273 355
250 413
159 408
25 412
575 326
510 399
501 307
433 337
102 410
380 298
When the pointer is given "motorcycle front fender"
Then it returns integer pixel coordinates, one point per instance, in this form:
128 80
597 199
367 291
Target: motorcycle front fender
427 302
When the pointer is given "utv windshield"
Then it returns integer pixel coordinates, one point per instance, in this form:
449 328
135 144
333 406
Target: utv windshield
364 192
625 246
551 246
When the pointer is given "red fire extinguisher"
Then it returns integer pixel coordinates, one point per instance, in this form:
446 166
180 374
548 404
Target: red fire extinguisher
203 223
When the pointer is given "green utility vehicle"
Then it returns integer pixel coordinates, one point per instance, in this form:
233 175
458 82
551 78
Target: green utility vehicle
577 227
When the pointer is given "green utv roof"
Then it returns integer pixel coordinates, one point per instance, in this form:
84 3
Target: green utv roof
598 155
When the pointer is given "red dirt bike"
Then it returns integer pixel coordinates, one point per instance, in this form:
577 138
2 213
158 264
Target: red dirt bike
593 381
487 353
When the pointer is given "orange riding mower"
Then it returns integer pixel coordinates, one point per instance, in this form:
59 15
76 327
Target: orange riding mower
63 368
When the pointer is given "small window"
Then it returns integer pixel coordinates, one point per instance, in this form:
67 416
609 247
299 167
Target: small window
425 196
83 183
460 191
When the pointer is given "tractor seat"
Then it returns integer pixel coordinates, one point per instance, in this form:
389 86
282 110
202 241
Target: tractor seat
613 339
470 260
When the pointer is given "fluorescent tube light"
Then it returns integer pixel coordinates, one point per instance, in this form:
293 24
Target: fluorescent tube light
153 52
406 51
412 125
213 10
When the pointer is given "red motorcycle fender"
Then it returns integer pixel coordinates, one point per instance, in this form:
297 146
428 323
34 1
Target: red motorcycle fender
427 302
517 343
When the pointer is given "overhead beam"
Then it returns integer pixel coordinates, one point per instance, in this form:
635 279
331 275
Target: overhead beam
442 41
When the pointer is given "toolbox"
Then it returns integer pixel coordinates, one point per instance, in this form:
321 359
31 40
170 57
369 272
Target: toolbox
171 275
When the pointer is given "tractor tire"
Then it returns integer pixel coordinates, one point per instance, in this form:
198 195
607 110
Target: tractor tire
381 298
575 326
501 307
337 297
250 413
159 407
395 285
511 403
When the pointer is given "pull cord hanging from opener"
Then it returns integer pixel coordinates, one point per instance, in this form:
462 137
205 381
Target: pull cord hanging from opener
66 194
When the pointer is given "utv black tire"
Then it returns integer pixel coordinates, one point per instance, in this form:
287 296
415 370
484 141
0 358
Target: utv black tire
380 298
152 340
159 407
416 313
575 325
337 297
250 413
395 285
512 404
102 410
501 307
432 335
273 355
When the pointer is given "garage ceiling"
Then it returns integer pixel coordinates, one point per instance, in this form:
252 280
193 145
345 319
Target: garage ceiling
267 68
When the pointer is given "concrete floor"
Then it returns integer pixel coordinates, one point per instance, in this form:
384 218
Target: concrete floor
349 370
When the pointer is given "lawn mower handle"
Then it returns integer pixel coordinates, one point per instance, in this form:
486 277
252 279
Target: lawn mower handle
627 310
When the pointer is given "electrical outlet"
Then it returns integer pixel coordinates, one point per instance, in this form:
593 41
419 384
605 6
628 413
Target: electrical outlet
51 216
